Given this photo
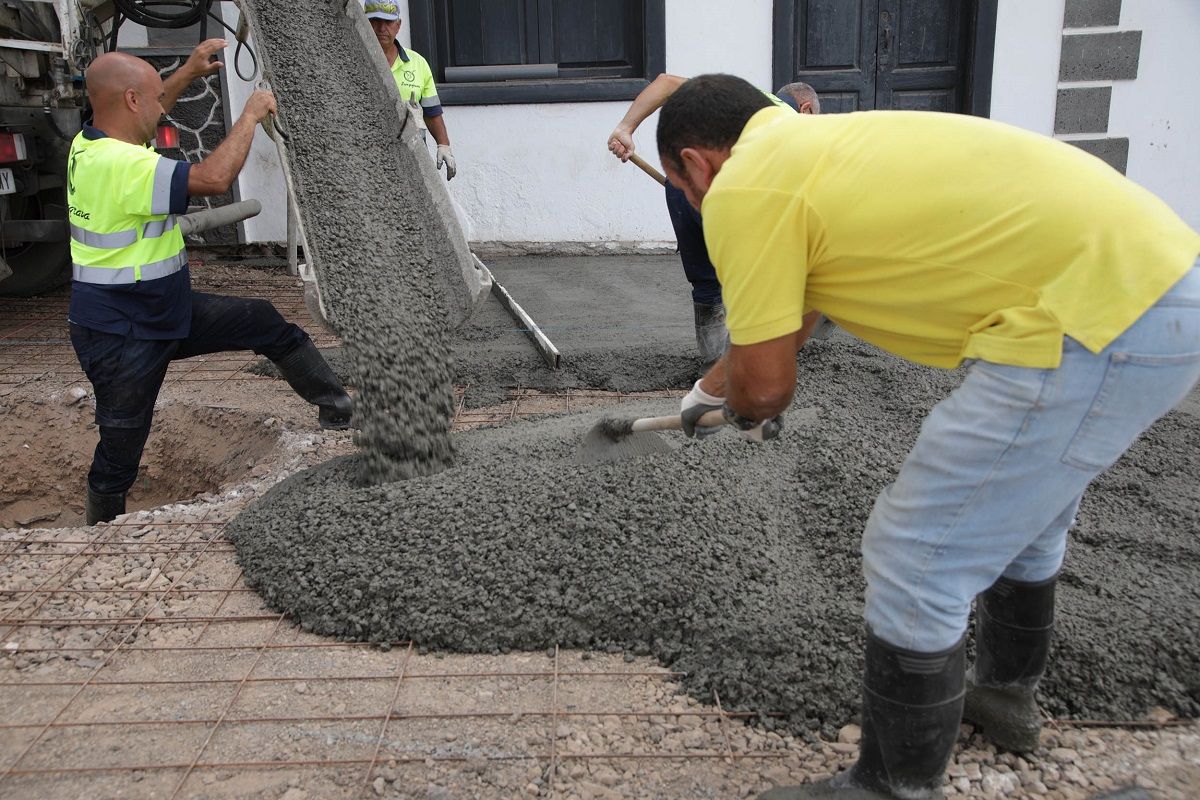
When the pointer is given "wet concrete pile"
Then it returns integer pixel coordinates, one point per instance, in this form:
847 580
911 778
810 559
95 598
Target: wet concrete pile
736 564
368 218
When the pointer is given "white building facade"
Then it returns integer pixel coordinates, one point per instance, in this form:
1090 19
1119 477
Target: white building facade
1111 76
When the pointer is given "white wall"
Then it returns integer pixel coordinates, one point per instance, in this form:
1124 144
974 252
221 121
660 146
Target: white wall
1160 111
1025 69
543 173
262 177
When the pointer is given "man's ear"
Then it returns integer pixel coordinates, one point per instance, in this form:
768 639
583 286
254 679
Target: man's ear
132 101
806 107
697 167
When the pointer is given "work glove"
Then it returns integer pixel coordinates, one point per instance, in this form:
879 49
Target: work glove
695 405
751 431
444 156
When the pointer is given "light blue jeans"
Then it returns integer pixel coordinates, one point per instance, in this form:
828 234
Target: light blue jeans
997 473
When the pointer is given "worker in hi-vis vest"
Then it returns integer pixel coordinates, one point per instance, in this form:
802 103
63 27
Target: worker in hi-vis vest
414 78
132 309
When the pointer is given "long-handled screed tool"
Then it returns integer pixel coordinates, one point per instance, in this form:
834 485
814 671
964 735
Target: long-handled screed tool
646 168
619 439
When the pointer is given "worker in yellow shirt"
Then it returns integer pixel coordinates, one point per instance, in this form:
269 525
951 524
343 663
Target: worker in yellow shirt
943 238
413 77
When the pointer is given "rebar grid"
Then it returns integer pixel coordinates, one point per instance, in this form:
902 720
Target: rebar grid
191 550
221 618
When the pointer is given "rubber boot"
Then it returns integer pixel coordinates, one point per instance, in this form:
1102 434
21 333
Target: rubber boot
712 338
104 507
1013 626
912 707
306 371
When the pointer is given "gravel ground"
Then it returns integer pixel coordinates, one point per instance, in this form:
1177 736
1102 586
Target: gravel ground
735 564
655 736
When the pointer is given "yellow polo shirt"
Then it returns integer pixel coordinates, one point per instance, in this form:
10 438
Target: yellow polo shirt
937 237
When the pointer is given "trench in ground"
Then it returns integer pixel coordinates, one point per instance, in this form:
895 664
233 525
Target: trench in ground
46 448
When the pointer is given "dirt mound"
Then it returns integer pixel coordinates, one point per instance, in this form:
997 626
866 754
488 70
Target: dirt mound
46 448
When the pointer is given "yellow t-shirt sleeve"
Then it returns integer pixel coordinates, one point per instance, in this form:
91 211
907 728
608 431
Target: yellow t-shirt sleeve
758 242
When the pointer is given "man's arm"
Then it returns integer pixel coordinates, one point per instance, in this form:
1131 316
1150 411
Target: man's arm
198 65
620 141
437 129
758 380
215 174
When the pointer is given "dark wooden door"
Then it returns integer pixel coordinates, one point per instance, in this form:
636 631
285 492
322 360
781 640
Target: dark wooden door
868 54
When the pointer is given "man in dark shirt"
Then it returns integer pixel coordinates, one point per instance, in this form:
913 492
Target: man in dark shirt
132 309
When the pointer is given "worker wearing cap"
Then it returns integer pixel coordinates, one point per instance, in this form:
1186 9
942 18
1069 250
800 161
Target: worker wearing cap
413 77
708 310
132 309
944 238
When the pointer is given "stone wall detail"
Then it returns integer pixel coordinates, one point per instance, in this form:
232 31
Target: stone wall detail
1093 57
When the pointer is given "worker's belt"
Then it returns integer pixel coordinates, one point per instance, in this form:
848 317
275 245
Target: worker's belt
108 276
118 239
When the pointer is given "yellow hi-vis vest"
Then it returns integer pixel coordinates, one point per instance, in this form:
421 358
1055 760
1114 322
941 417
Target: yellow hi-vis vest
119 198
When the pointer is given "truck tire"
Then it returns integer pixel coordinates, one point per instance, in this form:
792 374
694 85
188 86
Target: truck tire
37 267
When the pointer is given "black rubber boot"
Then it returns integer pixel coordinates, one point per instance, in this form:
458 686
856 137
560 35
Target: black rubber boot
912 707
1014 623
712 339
305 371
104 507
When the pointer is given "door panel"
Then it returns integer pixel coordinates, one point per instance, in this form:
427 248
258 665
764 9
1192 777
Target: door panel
919 46
866 54
835 50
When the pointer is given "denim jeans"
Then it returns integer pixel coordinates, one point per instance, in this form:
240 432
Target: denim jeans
126 373
996 475
693 252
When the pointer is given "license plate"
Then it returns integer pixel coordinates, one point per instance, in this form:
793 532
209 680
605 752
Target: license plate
7 184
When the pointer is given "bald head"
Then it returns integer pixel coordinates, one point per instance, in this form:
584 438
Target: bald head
125 93
112 74
805 97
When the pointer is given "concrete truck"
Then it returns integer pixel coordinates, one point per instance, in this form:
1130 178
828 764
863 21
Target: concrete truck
44 47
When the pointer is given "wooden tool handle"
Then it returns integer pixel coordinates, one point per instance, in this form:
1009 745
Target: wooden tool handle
646 168
711 419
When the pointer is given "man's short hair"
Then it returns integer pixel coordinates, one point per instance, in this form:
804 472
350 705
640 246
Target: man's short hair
707 111
799 93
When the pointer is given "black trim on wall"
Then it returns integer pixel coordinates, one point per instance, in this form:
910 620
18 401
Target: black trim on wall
564 90
983 57
783 49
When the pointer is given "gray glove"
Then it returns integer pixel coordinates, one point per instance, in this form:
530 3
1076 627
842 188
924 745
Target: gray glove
695 405
444 156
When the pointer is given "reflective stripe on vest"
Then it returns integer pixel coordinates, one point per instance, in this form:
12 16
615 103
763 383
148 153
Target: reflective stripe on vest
157 227
122 230
107 276
106 241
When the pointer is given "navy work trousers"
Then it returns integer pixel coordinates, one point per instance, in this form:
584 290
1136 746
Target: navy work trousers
126 373
689 233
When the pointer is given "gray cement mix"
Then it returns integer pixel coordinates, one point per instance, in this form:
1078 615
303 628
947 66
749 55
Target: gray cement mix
378 246
622 323
736 564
